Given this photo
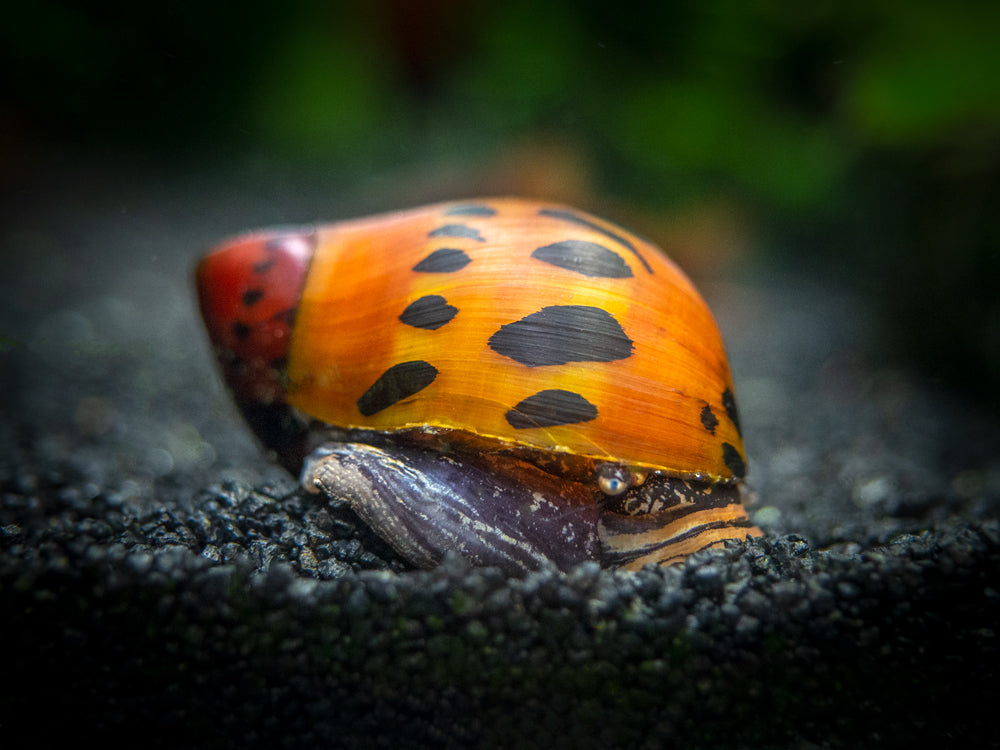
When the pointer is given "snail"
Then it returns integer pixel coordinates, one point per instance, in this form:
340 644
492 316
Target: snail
519 382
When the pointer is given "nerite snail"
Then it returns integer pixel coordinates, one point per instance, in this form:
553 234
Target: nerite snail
515 381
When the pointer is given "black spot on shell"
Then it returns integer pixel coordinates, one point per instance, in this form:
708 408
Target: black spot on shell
443 260
563 333
575 218
240 329
708 420
550 408
395 384
430 312
729 404
285 316
252 296
457 230
470 209
585 258
264 266
734 461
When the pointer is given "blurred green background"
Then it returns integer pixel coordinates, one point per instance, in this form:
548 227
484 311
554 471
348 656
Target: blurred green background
854 141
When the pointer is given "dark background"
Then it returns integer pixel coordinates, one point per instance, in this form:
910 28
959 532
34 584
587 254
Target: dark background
856 140
828 174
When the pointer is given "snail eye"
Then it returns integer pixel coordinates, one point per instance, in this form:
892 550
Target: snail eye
613 479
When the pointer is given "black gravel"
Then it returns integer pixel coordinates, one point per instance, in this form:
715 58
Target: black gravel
165 585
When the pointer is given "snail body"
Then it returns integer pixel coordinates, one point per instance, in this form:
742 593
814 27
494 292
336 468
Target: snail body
515 381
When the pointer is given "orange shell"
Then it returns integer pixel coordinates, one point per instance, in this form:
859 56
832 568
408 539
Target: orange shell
374 299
